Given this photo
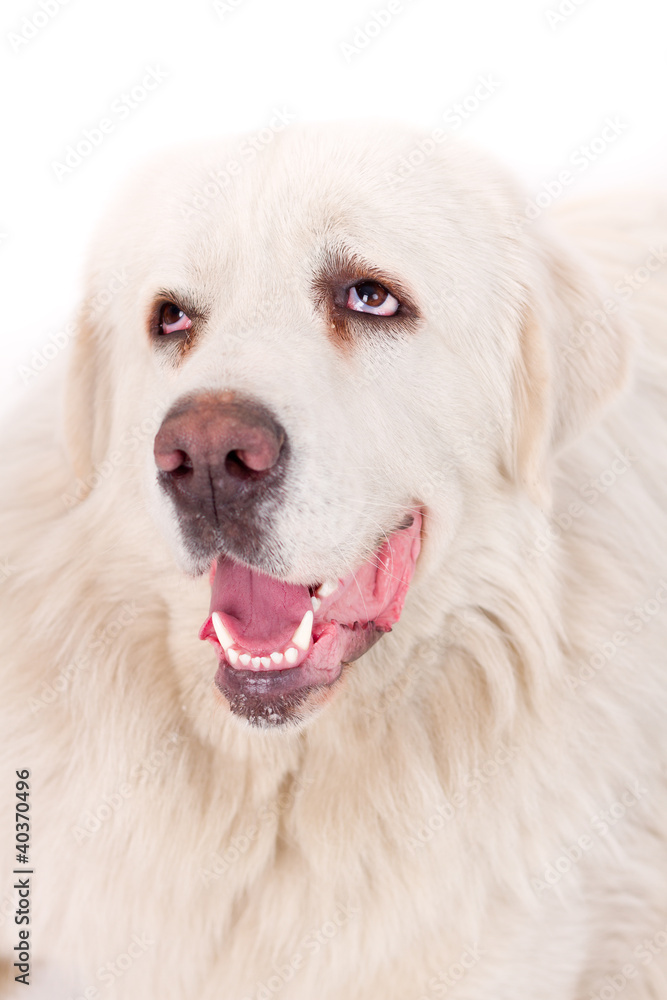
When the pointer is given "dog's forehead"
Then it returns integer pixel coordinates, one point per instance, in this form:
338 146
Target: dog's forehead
238 203
309 191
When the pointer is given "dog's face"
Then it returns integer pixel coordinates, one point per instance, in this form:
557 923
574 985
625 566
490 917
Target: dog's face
345 353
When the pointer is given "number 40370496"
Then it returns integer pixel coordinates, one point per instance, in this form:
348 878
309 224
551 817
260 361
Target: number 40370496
22 811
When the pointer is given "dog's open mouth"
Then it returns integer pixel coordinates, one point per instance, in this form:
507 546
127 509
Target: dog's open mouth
277 642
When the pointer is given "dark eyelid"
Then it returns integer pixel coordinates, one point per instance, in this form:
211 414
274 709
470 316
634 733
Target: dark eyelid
339 272
178 342
182 300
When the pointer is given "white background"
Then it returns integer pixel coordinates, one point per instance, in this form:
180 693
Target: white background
559 76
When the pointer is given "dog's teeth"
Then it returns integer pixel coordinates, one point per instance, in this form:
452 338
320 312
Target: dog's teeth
277 657
291 654
256 661
315 601
232 655
224 638
245 659
265 661
301 637
327 588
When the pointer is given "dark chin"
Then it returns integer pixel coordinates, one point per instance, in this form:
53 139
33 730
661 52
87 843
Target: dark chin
271 698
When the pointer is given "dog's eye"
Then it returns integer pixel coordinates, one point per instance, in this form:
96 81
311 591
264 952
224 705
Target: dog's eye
172 319
371 297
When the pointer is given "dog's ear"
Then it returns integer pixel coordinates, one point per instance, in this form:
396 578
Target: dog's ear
574 357
87 399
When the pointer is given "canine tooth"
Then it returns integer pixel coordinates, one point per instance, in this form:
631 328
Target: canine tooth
224 638
291 654
266 661
315 601
327 588
245 659
255 661
232 655
301 637
277 657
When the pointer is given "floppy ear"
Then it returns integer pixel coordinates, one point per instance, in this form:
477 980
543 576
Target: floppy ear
574 357
87 400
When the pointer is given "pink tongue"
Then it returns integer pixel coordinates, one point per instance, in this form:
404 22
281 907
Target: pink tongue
261 613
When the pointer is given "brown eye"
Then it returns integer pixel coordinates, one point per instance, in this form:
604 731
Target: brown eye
172 319
372 297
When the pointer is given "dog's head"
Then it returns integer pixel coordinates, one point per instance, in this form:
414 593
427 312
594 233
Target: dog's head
349 337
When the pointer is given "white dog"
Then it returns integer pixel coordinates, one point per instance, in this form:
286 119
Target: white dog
397 453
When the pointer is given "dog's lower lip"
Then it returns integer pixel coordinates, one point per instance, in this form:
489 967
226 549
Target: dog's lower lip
267 683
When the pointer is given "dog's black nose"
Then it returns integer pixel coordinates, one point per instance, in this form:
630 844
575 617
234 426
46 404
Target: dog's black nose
218 457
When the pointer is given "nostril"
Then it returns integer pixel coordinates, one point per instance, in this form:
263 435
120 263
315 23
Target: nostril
184 469
260 453
177 463
237 467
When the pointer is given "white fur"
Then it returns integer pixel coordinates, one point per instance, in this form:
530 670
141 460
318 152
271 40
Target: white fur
372 818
